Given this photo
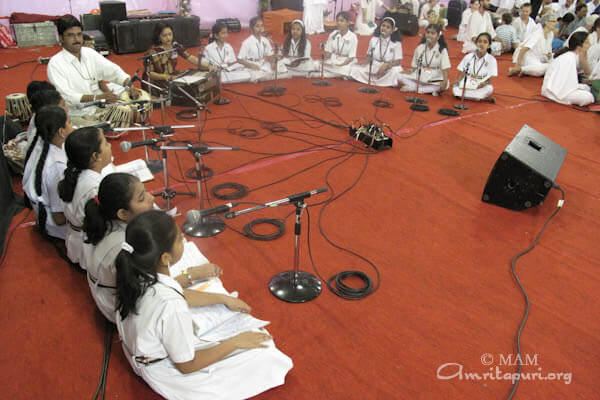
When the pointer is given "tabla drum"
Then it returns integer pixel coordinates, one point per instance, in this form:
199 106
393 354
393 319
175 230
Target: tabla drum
127 112
17 106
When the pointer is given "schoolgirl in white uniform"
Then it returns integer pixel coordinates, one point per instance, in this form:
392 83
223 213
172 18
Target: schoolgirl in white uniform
158 332
45 163
296 52
432 53
480 67
384 56
256 52
340 49
220 54
88 153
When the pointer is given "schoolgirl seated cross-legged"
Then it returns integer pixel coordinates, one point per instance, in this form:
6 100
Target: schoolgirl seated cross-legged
296 52
88 152
479 67
340 49
435 64
384 55
220 54
158 332
256 53
45 163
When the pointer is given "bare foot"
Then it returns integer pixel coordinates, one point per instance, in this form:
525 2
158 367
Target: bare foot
514 70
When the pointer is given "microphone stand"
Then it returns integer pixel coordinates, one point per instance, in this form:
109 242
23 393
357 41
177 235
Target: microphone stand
416 99
368 89
461 105
322 82
199 107
154 166
293 286
219 101
275 90
208 225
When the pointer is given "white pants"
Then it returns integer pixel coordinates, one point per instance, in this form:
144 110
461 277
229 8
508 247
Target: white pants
313 19
303 69
361 73
237 73
474 94
410 85
332 69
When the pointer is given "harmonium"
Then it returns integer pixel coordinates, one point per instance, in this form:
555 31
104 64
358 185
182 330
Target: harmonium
201 85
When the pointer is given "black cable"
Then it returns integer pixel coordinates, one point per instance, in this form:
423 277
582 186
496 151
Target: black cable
108 333
238 192
381 103
277 223
6 67
527 304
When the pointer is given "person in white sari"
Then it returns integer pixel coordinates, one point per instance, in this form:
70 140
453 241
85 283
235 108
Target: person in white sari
476 72
256 52
296 52
464 22
384 55
365 18
524 25
533 56
561 82
313 16
88 152
340 49
160 324
432 55
219 53
481 21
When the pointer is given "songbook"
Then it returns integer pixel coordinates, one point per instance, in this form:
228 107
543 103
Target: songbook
136 168
191 257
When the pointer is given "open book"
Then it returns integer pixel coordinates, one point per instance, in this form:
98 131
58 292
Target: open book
136 168
216 322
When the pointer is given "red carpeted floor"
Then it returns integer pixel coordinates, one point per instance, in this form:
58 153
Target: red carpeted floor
446 294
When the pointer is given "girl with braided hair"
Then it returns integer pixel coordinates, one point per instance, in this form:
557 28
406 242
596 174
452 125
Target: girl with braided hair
88 153
44 166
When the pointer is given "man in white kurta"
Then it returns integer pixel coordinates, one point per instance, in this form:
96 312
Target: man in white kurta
537 49
365 18
431 5
524 25
313 16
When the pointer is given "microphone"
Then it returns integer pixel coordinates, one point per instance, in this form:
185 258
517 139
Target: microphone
133 79
304 195
98 103
194 216
126 146
177 46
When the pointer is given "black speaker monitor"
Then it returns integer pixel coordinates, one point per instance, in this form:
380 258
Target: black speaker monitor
525 171
111 11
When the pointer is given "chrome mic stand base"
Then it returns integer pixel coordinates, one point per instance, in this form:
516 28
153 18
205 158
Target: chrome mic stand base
321 83
461 106
415 100
295 287
368 90
206 227
221 101
274 91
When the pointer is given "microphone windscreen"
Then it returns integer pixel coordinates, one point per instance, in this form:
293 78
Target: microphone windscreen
125 146
193 217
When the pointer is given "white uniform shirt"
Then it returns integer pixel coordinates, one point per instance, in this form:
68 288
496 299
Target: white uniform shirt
163 326
294 49
480 23
538 45
342 46
384 50
100 264
85 189
222 56
479 69
433 62
74 78
522 29
52 173
255 50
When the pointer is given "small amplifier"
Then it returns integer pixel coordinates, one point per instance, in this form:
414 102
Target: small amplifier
371 134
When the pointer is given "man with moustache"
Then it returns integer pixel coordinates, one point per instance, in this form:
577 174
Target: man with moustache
79 73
